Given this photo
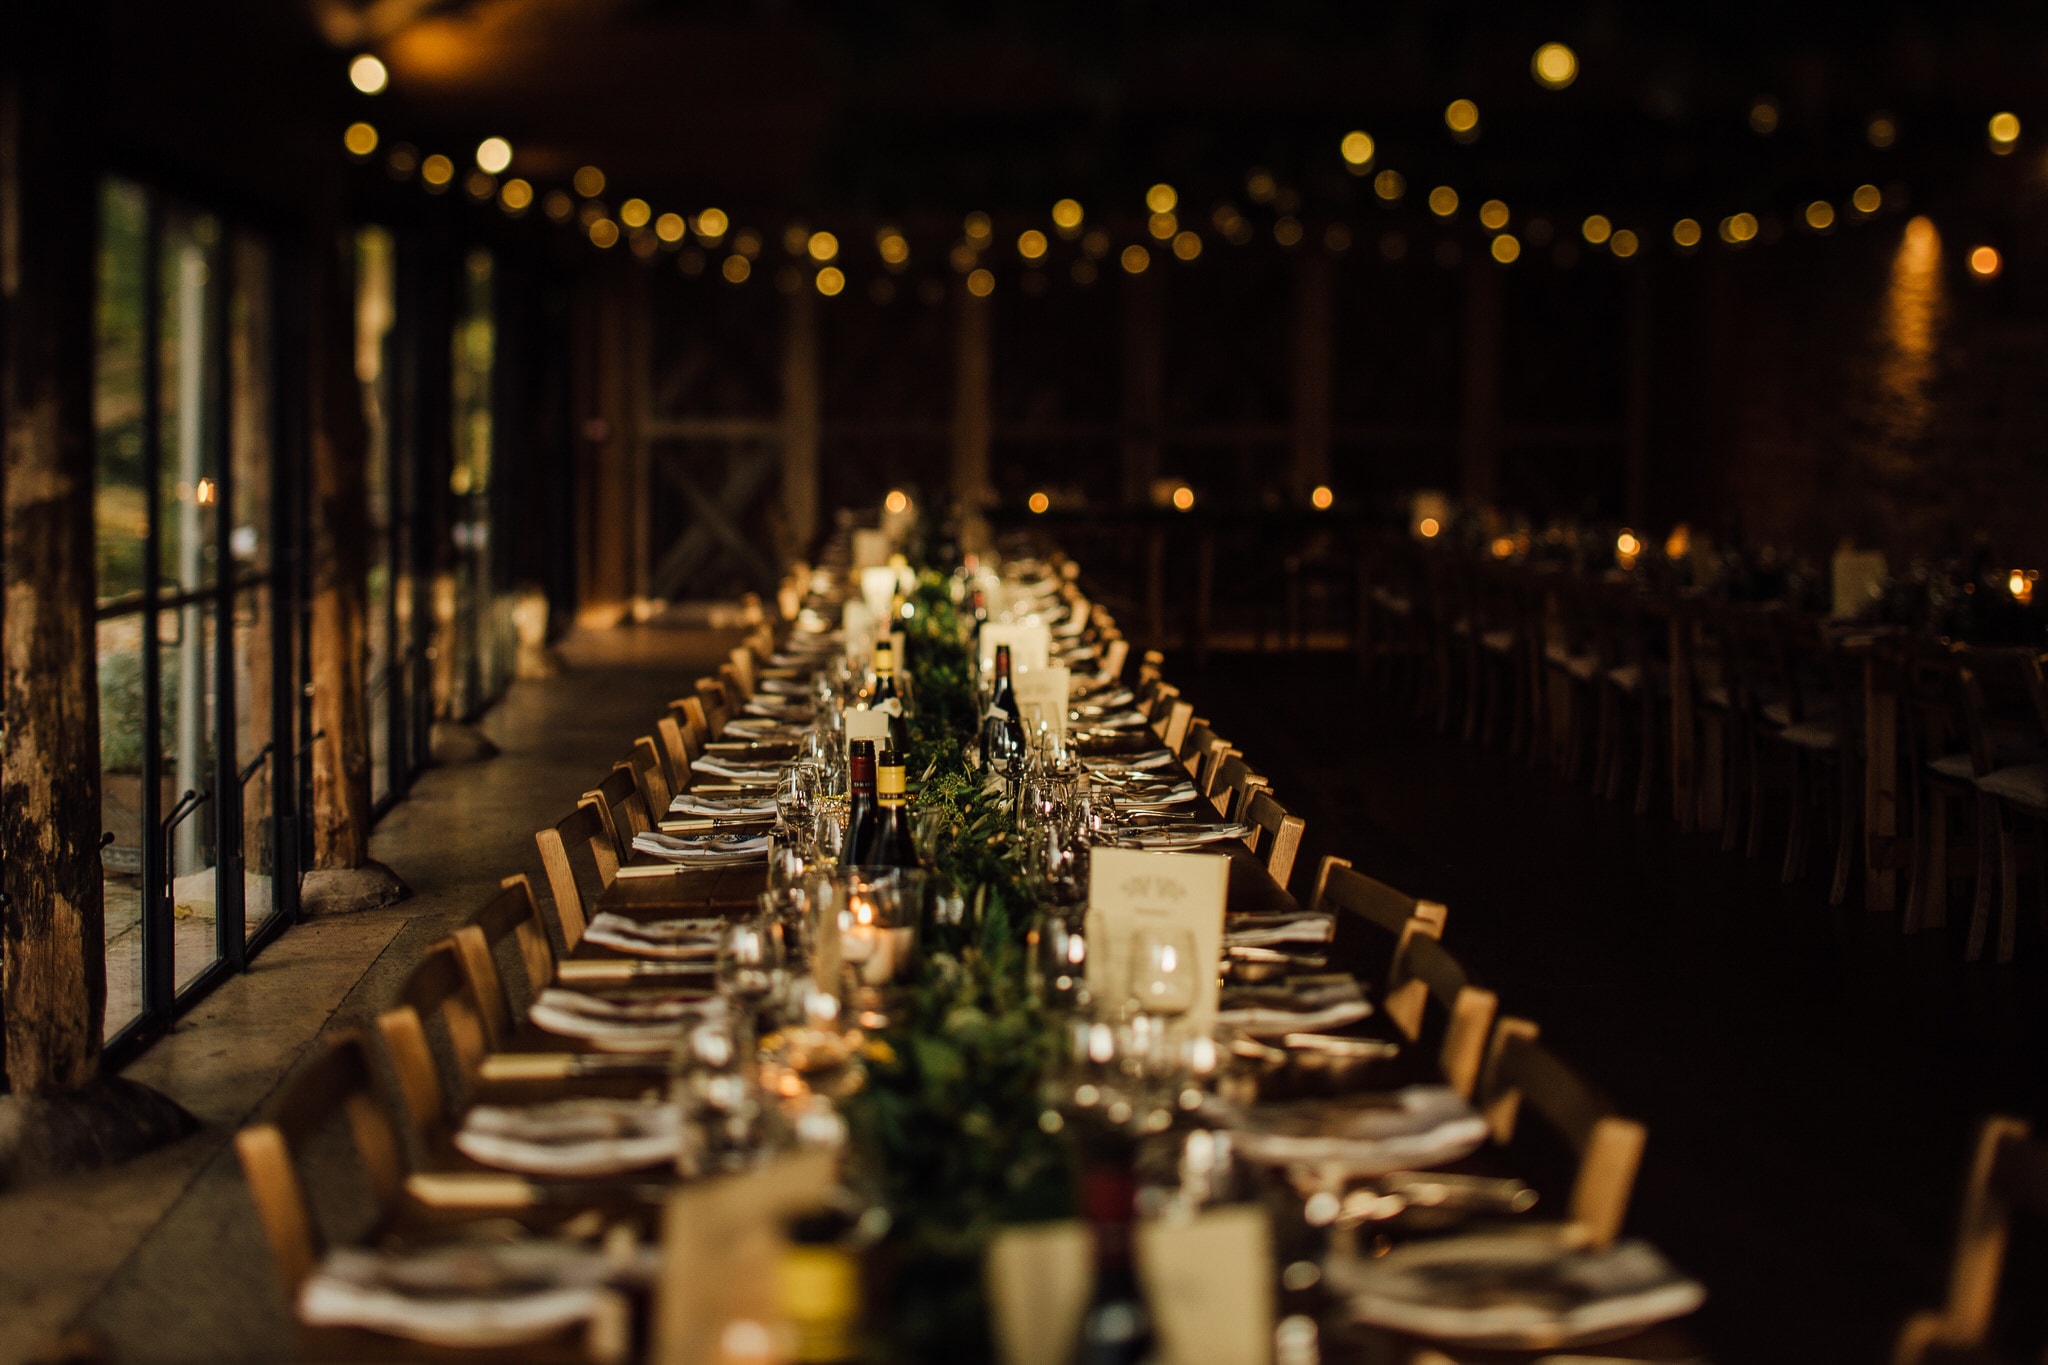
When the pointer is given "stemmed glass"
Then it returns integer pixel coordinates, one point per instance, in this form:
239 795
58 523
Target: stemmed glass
750 961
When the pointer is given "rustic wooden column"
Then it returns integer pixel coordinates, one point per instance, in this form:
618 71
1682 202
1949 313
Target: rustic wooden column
971 417
55 986
1144 382
605 491
1479 436
1312 313
800 426
343 877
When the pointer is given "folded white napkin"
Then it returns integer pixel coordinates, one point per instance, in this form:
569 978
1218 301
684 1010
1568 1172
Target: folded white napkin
1306 929
472 1294
579 1137
723 807
1308 1011
1411 1129
1130 719
784 687
680 939
1156 797
649 1023
1149 761
1174 838
763 728
746 774
702 850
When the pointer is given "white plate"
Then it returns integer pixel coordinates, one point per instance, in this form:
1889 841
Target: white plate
1411 1129
1521 1290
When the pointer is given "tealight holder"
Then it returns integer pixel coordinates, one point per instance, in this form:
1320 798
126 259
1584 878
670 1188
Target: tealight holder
877 913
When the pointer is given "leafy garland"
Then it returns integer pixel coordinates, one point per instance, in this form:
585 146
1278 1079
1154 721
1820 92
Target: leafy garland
947 1126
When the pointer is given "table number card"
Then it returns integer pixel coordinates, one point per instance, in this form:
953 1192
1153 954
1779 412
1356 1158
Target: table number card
1029 641
1210 1286
1173 894
872 725
870 548
1039 1277
859 625
1043 694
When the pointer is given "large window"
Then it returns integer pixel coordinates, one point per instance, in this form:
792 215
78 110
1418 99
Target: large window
194 733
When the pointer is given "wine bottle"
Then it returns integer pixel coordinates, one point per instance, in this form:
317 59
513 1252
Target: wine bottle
887 698
1002 728
1116 1329
863 814
893 845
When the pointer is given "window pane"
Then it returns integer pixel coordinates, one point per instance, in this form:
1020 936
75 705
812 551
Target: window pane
470 663
254 653
121 504
122 735
249 340
187 487
189 729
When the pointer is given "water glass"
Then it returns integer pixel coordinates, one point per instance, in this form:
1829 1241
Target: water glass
750 961
1163 971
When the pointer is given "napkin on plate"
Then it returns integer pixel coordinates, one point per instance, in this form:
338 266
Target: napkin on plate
1278 929
702 850
623 1023
463 1295
1156 797
1367 1135
746 774
581 1137
1179 838
1266 1011
723 807
1149 761
679 939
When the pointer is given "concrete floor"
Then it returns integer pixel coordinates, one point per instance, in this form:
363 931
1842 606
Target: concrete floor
162 1259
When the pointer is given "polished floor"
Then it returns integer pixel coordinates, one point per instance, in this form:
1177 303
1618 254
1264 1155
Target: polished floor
162 1260
1810 1078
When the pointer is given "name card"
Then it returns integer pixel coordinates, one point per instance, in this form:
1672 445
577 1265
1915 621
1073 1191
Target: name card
1174 901
859 625
877 588
872 725
1029 641
870 548
1043 695
1039 1277
1209 1284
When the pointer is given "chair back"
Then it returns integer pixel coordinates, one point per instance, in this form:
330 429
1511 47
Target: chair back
511 914
676 757
696 721
1173 726
622 808
1609 1148
1114 653
742 659
562 847
1342 888
1428 990
1234 784
437 994
1275 836
2008 1175
648 776
338 1080
711 695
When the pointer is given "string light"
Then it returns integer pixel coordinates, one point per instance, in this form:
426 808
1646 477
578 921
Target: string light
1287 231
1184 498
1555 66
1161 198
1462 118
669 227
736 268
1506 249
1820 215
1390 185
558 206
1623 244
1039 503
493 155
981 283
437 170
1187 245
589 181
977 227
1162 225
893 247
516 196
1985 263
604 233
1031 244
822 246
1686 233
1881 132
1763 116
1867 199
1261 187
1066 215
2004 131
1356 149
368 75
1321 497
831 280
635 213
1493 214
1443 201
360 139
1135 258
712 223
1596 229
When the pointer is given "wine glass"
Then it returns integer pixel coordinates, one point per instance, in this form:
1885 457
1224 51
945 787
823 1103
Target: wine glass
1164 977
750 957
793 795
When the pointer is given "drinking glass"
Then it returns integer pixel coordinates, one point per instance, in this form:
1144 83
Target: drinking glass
750 960
829 831
1163 971
793 796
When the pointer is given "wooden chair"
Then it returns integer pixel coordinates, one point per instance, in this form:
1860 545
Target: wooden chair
438 991
1173 729
1114 654
1233 786
1275 836
337 1081
711 696
1343 890
2007 791
1202 754
2008 1175
675 754
511 914
1608 1147
622 808
696 722
647 774
582 829
743 670
1424 975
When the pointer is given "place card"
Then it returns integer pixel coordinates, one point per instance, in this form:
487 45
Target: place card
859 625
1172 895
1043 695
872 725
1209 1284
878 588
1029 641
870 548
1039 1277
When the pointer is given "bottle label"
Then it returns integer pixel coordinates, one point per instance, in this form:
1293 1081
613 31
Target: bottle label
892 707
